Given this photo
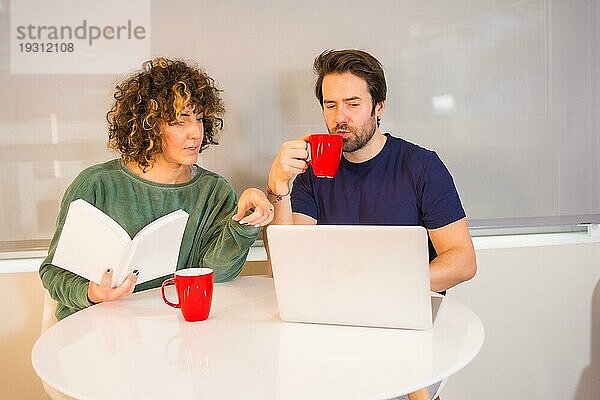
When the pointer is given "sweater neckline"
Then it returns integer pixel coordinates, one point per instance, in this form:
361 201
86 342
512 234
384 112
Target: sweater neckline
195 177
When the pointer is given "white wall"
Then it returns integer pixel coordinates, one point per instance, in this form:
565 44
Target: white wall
540 306
541 310
506 91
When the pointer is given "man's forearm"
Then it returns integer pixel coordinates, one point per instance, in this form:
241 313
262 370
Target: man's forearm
283 209
452 267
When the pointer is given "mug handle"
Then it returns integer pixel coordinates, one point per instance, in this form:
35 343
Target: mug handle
170 281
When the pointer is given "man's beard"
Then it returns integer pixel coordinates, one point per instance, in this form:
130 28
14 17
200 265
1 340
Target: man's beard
359 136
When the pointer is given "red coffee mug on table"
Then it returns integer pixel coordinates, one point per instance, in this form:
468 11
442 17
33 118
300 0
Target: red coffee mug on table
324 153
194 290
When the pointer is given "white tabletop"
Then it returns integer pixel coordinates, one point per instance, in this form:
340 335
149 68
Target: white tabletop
139 348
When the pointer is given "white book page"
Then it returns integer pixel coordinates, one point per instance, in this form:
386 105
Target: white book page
90 242
155 248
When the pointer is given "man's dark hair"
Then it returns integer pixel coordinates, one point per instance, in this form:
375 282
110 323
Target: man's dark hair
357 62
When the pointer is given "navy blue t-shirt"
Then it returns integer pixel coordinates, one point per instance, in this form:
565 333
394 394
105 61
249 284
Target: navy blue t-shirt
402 185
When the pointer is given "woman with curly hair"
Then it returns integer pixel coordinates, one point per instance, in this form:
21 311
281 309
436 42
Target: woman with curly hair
162 117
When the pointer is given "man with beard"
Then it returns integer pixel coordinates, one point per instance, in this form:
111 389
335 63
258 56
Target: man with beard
381 180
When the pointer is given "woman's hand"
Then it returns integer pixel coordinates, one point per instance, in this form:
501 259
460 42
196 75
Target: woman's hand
103 292
254 199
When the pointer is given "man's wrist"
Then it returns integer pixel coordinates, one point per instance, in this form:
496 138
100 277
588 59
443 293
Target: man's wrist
275 196
278 187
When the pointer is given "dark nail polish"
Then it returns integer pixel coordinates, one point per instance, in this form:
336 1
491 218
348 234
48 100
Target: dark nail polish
136 272
108 271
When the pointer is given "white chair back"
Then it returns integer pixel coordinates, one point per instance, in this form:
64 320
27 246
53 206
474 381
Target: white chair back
49 319
48 312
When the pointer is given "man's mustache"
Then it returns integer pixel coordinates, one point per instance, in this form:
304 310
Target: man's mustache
342 127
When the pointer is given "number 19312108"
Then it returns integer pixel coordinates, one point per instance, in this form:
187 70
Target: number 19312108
46 47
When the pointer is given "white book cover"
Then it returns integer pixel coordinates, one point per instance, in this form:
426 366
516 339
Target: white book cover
91 242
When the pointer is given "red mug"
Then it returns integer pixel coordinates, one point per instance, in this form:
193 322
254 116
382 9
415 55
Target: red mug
324 153
194 290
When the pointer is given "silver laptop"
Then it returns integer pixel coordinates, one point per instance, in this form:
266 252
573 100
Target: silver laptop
352 274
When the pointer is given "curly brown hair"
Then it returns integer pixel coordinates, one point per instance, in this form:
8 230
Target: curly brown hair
157 94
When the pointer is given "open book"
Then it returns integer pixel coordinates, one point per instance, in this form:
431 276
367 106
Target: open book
91 242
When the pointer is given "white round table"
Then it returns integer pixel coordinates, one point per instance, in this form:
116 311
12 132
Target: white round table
139 348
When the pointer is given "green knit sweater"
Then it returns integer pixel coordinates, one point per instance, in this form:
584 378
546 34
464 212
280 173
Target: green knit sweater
211 237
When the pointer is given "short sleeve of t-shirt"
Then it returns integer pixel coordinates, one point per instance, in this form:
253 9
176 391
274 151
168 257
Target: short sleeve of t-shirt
439 203
303 200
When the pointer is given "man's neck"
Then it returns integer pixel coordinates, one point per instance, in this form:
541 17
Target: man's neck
369 150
